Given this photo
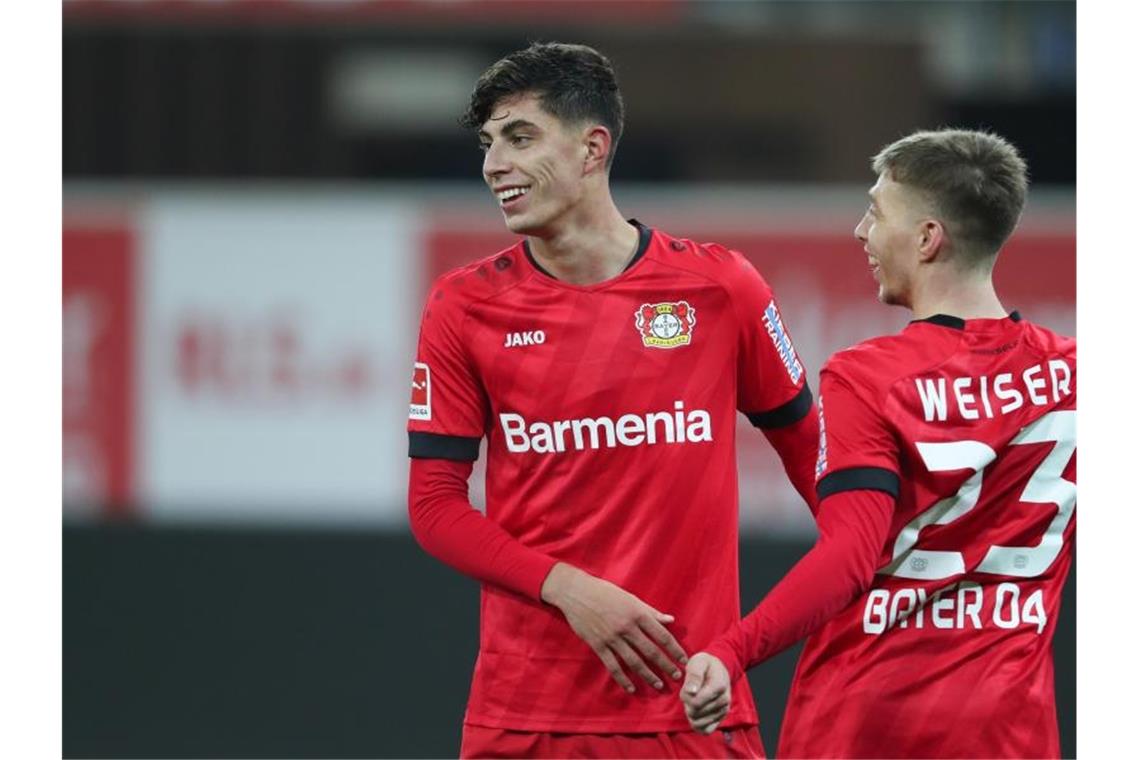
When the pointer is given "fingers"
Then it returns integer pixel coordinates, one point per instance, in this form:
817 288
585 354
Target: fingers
708 724
718 706
610 661
660 634
650 650
636 664
695 673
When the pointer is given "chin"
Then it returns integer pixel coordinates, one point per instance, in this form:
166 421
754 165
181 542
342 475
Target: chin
889 298
520 224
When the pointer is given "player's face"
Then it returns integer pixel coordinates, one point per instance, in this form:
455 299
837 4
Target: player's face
533 163
891 234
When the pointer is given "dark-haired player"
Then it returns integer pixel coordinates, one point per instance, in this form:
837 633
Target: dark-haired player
947 494
604 362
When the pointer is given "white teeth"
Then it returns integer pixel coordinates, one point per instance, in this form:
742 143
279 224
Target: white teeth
513 192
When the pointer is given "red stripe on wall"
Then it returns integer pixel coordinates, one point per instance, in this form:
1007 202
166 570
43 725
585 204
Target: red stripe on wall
98 361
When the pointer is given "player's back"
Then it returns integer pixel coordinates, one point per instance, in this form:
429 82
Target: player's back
949 653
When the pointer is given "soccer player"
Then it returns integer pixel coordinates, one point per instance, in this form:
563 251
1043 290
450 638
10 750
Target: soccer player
946 494
604 363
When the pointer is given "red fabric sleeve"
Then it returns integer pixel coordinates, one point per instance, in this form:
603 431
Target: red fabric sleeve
770 376
854 431
797 445
853 526
451 530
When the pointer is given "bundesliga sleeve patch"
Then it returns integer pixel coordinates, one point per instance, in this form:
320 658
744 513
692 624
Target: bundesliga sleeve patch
666 325
782 342
421 392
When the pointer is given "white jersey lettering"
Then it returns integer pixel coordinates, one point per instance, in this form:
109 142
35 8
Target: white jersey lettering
678 426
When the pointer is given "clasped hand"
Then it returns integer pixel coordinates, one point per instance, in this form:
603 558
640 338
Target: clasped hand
707 692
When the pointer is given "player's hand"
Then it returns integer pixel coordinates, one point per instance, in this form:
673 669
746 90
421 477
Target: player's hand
707 692
618 626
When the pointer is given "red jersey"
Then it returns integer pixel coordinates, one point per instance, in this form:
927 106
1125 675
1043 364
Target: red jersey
971 426
609 414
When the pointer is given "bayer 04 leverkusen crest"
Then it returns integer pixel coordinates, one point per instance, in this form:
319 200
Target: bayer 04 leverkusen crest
666 325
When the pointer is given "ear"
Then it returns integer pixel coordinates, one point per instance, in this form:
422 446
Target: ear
932 241
598 142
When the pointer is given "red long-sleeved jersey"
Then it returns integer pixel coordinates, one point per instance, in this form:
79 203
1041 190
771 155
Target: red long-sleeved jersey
933 619
609 412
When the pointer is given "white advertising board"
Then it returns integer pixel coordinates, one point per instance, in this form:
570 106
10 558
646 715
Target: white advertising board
276 336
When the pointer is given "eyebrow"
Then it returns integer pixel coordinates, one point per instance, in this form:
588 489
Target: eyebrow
509 127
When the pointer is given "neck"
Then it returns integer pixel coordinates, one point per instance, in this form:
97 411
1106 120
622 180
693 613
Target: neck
591 246
965 295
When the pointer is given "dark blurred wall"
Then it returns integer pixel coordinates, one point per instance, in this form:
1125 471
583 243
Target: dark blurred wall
254 643
153 98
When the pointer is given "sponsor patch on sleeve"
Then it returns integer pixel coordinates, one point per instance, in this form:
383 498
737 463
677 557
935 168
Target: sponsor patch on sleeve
782 342
421 392
821 459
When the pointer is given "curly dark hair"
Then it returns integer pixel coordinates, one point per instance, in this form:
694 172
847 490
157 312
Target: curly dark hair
575 83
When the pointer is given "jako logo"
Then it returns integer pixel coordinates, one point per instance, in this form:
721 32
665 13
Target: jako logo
598 432
528 338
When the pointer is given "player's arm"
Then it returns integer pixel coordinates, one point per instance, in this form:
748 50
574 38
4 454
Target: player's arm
856 504
446 422
772 386
451 530
796 443
853 526
619 627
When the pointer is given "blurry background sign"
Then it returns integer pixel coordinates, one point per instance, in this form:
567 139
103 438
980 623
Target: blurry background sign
257 195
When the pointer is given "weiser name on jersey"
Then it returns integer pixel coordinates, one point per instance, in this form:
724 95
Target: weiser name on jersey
1041 384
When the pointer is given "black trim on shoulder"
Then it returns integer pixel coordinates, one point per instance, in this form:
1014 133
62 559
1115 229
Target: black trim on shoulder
785 414
858 478
945 320
1015 315
438 446
644 235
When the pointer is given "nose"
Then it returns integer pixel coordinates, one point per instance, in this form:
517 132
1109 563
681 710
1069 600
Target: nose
861 229
494 165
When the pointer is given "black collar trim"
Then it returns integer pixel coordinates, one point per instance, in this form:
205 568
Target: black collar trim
534 262
945 320
644 235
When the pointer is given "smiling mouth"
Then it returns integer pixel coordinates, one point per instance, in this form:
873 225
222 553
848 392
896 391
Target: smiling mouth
511 195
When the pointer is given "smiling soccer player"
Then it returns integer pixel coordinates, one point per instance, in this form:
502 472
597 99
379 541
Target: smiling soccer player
604 362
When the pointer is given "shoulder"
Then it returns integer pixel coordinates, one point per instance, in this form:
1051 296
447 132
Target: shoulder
453 292
873 366
1048 342
718 263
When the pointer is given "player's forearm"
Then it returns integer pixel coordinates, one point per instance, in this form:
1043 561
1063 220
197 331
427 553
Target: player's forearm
853 526
451 530
798 445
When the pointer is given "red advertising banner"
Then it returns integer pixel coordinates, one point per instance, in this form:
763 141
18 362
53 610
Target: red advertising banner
98 383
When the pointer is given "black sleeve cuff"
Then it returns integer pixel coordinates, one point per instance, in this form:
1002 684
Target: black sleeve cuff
785 414
858 478
437 446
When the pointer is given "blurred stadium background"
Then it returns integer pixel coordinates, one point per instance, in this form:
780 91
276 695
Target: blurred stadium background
256 196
